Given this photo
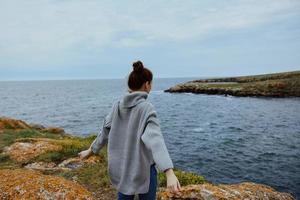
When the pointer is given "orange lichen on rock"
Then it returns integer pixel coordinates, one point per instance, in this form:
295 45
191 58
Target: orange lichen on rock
14 124
239 191
28 184
54 130
23 152
79 162
43 166
69 164
8 123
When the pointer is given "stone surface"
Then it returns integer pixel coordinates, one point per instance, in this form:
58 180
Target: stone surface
285 84
239 191
8 123
22 152
27 184
76 162
37 126
43 166
32 184
54 130
14 124
66 165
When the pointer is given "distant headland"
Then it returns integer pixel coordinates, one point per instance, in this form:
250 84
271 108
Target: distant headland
285 84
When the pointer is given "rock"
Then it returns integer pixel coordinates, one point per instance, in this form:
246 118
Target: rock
74 163
66 165
244 190
43 166
8 123
37 126
286 84
14 124
54 130
22 152
28 184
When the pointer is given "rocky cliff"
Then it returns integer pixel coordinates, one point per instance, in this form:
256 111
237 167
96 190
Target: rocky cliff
207 191
285 84
42 163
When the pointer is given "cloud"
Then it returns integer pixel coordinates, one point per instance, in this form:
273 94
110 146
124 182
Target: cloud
52 32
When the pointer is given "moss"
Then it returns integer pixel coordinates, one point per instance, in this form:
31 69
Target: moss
9 136
7 163
96 175
3 158
50 157
185 178
225 85
93 176
8 126
71 146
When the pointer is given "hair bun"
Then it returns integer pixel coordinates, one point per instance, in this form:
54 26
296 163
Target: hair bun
138 66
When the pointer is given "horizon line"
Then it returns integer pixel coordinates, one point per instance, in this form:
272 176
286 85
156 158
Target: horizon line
119 78
83 79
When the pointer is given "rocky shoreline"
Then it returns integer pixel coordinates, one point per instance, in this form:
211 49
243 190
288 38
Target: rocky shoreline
42 163
286 84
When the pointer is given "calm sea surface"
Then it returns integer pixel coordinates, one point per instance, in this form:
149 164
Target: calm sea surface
226 139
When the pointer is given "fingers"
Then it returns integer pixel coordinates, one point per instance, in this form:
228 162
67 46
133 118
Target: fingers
178 185
80 155
170 188
173 184
173 188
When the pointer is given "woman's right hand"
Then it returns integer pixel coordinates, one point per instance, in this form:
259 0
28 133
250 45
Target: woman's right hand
85 154
173 184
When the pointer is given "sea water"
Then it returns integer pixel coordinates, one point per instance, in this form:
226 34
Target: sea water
226 139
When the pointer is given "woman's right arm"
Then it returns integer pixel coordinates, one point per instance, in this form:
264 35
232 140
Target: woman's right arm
99 141
102 137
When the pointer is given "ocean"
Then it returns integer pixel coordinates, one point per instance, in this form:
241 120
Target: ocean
226 139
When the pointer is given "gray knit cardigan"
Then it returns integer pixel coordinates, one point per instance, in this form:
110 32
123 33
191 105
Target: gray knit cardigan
134 139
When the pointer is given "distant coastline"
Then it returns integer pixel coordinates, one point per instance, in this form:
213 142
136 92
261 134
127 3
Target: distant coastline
285 84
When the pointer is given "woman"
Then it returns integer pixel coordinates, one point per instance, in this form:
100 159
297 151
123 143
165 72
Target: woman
135 142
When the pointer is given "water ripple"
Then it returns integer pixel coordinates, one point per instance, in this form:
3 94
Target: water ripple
226 139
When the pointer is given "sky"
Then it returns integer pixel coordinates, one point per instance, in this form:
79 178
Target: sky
96 39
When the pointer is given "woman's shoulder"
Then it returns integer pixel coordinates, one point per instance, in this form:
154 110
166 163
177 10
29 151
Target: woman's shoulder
147 108
115 103
147 105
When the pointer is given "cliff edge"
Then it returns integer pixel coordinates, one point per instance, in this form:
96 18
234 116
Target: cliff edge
285 84
41 163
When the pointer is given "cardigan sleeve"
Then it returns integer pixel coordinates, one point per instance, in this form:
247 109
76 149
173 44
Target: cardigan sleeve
153 139
102 137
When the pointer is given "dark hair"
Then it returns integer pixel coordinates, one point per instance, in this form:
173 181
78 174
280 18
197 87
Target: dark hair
139 76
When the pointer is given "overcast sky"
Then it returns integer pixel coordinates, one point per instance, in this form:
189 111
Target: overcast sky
79 39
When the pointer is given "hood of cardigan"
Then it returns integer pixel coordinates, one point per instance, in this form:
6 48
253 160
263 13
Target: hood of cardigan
133 98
